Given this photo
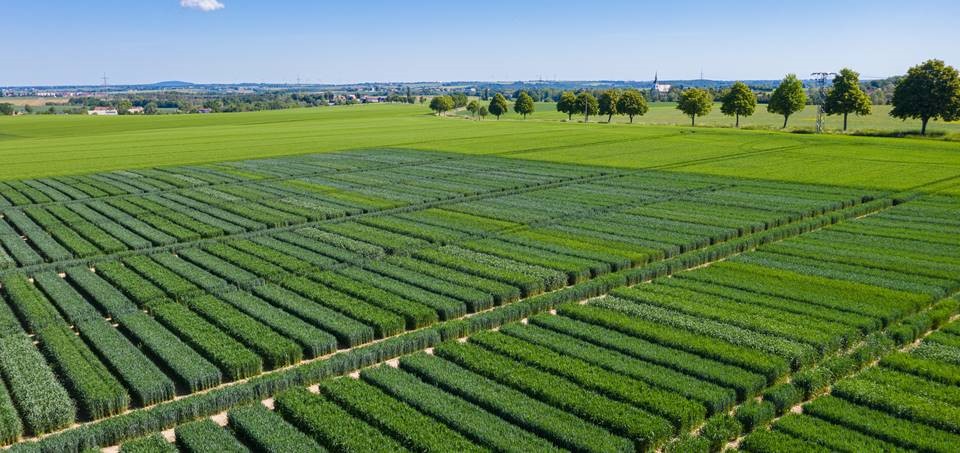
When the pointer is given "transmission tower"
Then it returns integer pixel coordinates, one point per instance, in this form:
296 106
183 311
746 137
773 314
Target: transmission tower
821 78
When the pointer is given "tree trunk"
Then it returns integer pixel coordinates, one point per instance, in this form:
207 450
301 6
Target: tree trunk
631 119
693 120
569 116
609 118
785 118
844 122
923 125
738 120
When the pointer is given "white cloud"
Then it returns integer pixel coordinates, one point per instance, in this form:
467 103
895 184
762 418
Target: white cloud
202 5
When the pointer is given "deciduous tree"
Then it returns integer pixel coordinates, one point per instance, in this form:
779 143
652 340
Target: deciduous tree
498 105
6 108
788 98
524 104
441 104
930 90
483 112
695 102
567 104
587 105
846 97
608 103
632 103
738 101
473 107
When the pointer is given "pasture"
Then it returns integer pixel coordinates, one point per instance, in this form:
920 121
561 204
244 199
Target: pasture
375 278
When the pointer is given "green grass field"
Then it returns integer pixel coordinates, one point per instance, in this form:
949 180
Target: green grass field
666 114
34 146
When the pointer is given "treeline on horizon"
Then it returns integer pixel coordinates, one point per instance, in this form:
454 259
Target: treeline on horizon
930 90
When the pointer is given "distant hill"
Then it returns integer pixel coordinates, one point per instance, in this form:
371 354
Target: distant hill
171 84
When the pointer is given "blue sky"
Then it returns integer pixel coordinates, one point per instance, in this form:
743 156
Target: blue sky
136 41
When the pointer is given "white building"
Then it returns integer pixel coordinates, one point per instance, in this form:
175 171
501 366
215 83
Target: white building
660 87
103 111
135 110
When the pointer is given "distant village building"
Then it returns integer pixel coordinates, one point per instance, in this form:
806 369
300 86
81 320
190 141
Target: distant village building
103 111
373 99
135 110
658 88
204 110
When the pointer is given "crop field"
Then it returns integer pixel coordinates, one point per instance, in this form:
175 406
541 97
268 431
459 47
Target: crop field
401 299
38 146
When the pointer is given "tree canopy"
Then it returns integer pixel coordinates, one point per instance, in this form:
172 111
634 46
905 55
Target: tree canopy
524 104
441 104
498 105
930 90
607 104
788 98
473 107
567 104
483 112
695 102
6 108
846 97
587 105
738 101
632 103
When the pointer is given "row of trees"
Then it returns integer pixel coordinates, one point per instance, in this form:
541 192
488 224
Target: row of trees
524 105
611 102
930 90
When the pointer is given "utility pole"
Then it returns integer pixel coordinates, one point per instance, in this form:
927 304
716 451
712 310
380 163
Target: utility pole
821 78
104 78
